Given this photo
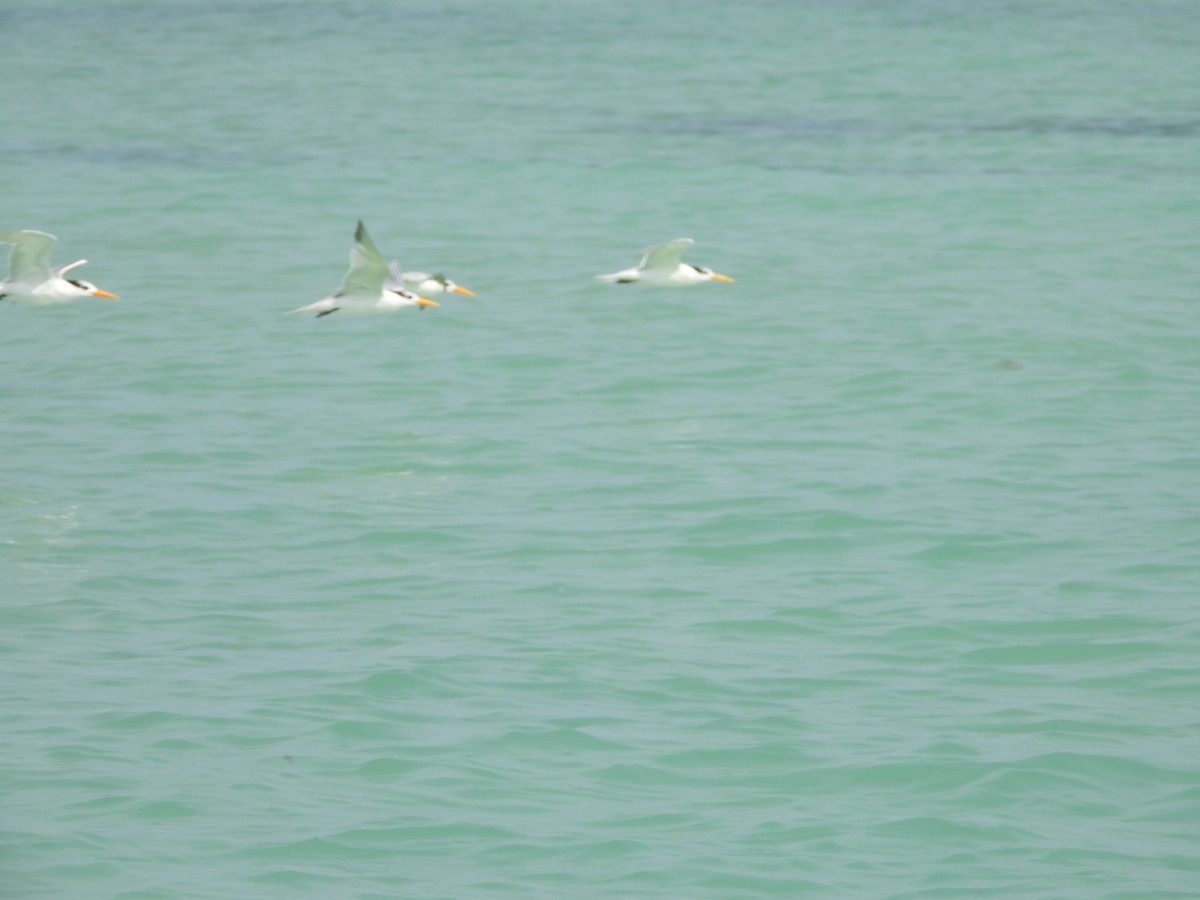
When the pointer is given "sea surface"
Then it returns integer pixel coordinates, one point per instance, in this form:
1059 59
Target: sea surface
874 574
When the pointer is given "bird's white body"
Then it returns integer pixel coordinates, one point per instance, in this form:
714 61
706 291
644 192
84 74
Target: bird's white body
663 265
426 285
369 286
32 280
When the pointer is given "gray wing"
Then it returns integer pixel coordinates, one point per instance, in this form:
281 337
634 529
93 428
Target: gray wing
395 279
665 256
30 261
60 271
367 268
395 282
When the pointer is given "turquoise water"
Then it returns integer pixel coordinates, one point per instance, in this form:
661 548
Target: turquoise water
873 574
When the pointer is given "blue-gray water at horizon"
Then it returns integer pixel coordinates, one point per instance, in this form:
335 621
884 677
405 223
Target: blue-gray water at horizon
872 574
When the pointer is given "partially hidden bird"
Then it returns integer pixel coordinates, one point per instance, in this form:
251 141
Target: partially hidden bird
425 284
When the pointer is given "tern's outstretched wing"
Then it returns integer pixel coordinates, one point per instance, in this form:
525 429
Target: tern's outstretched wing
367 268
30 262
60 271
321 307
665 256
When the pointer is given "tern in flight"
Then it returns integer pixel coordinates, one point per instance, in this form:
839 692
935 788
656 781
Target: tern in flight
663 264
32 280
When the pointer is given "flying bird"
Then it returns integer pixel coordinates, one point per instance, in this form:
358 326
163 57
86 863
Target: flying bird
32 280
366 287
663 264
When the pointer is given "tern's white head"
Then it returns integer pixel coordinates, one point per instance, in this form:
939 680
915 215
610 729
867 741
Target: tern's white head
707 274
398 296
87 289
451 287
424 283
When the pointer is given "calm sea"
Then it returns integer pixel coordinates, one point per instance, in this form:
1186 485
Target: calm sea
873 574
